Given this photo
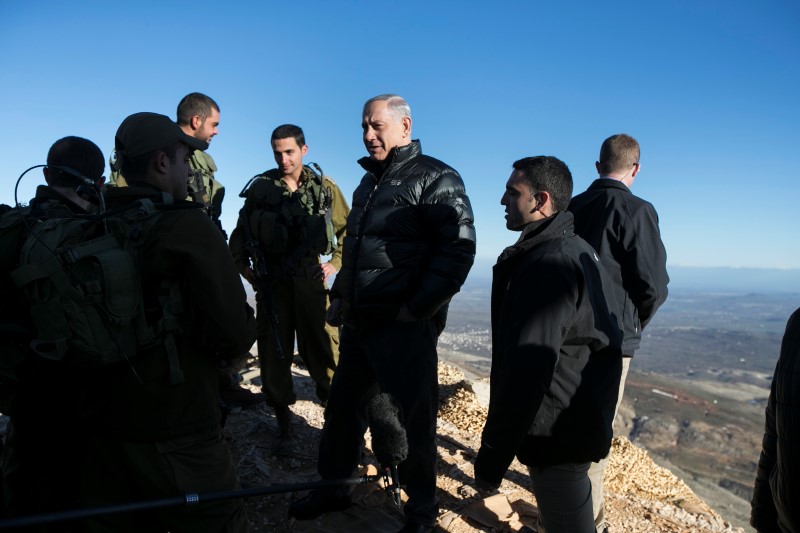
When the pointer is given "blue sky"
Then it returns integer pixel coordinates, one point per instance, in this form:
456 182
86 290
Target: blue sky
708 88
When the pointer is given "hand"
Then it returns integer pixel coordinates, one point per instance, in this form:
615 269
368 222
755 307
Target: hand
328 270
247 274
334 314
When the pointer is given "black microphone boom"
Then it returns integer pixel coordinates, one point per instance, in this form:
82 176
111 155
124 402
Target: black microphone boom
389 438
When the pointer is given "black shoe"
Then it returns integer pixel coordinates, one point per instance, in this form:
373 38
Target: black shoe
413 527
319 502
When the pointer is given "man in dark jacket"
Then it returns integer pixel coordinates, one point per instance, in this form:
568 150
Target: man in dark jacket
409 246
777 489
155 418
556 357
624 230
39 476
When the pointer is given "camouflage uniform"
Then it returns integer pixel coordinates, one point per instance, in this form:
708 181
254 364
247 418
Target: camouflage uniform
292 236
203 188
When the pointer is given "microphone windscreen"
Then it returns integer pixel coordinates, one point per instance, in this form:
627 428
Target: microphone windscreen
389 439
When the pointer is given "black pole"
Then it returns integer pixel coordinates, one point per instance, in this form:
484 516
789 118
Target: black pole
185 499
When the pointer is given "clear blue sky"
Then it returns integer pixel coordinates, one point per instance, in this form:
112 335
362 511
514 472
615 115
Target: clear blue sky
710 90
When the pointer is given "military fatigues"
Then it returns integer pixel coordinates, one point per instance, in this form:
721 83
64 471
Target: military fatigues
45 444
203 188
152 437
293 232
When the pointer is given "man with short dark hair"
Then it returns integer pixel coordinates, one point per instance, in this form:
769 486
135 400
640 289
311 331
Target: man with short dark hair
198 116
556 359
154 418
409 247
297 216
42 397
623 229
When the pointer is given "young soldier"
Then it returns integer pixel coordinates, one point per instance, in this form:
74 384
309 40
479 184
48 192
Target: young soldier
154 418
198 116
296 215
42 397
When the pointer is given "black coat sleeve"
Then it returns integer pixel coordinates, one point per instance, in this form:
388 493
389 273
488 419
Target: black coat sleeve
645 262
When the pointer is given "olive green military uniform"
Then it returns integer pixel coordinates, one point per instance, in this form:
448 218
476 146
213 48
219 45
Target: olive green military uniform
203 188
152 436
292 234
42 396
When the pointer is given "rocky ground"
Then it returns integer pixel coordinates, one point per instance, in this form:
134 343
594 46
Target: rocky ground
640 496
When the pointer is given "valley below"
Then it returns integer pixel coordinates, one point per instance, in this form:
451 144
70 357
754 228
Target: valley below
696 391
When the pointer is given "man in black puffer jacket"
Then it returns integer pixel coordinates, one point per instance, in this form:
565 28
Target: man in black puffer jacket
777 490
556 351
410 244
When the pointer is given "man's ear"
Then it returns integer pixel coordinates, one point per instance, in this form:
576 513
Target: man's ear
597 166
161 162
544 203
46 172
406 121
196 122
636 168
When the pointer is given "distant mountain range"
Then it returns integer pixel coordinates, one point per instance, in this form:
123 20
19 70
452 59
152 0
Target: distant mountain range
706 279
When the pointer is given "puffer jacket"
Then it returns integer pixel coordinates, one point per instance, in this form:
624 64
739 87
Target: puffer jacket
777 489
410 239
556 353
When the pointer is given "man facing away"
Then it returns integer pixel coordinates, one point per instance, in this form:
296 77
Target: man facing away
39 476
623 229
556 357
409 247
154 418
297 216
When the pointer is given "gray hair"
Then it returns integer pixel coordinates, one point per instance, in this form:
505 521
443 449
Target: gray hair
394 102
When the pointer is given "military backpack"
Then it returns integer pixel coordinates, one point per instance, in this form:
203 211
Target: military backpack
81 278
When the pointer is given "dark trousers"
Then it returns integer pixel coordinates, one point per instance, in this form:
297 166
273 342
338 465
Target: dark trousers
399 359
126 471
300 305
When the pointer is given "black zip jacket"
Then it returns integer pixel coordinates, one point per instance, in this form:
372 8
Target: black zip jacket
556 358
777 488
410 239
623 229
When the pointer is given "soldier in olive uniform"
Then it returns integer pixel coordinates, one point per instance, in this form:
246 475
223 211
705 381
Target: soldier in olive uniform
296 215
198 117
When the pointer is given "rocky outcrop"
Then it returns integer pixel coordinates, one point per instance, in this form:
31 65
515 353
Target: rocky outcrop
640 495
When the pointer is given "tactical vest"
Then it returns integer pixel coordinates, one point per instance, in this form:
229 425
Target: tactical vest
81 277
294 224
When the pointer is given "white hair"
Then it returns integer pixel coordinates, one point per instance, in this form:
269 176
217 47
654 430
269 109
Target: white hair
395 103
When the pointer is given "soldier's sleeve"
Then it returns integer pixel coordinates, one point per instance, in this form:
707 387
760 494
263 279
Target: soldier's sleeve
195 248
339 211
238 248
